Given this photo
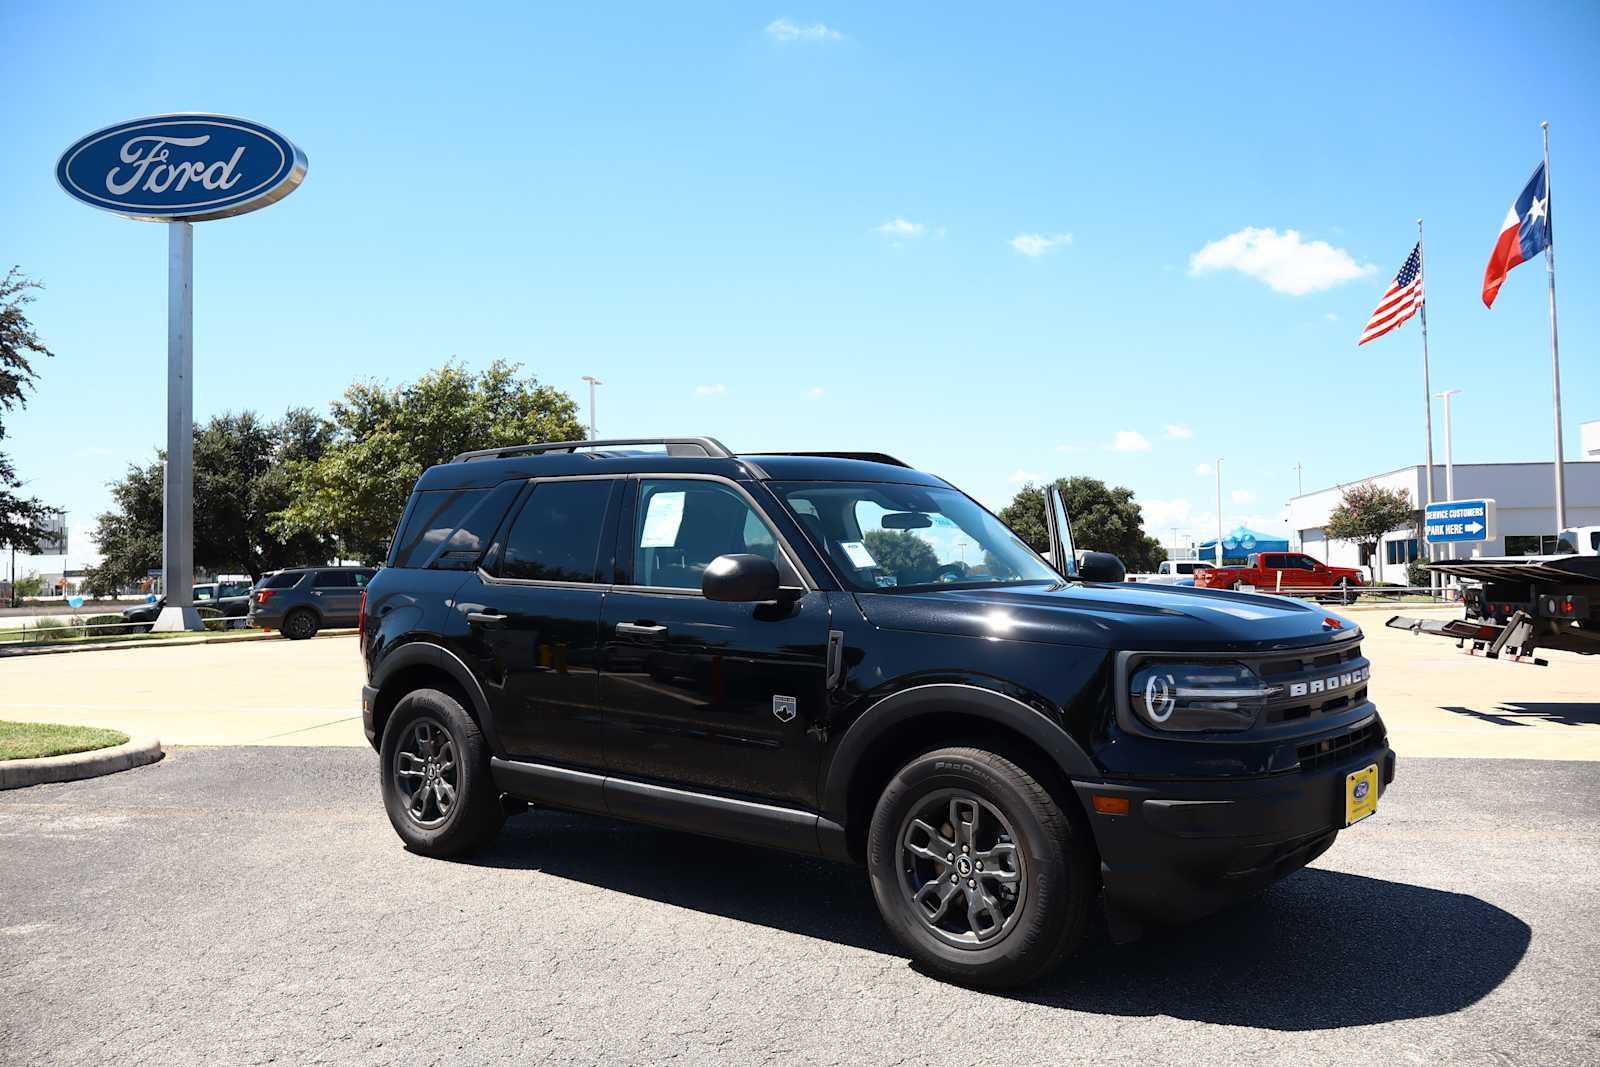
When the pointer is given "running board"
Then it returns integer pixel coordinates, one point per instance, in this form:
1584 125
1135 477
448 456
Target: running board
753 823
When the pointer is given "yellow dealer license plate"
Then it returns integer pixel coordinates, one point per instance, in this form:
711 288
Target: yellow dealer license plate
1360 794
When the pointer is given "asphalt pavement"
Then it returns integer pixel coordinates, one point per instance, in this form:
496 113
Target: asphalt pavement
252 905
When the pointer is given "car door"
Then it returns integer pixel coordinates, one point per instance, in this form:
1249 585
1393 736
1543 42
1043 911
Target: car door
336 596
716 697
532 613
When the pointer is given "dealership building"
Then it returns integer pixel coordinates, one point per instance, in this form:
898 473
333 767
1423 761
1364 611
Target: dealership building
1524 496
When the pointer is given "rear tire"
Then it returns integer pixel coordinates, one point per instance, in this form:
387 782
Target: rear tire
301 625
437 788
939 820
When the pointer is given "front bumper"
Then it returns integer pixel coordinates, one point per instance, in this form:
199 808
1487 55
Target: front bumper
1186 849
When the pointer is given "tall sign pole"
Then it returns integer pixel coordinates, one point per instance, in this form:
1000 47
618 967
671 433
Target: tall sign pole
177 547
1555 340
181 169
1427 388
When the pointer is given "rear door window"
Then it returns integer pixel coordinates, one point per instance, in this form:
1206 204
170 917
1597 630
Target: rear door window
335 580
556 535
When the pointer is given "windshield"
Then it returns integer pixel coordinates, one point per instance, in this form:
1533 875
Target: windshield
883 536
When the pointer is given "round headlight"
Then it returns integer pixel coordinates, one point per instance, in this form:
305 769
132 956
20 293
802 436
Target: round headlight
1198 697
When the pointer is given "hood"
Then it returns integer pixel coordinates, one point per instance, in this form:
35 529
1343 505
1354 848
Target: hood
1122 616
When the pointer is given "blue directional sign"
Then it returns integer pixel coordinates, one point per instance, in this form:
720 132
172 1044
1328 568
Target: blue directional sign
182 168
1449 521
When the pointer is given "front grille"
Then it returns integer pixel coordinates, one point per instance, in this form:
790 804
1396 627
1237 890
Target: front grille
1314 684
1318 754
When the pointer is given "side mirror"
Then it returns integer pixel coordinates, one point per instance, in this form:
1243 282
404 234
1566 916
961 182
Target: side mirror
1101 567
741 579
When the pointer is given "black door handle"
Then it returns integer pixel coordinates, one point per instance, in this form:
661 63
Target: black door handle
486 618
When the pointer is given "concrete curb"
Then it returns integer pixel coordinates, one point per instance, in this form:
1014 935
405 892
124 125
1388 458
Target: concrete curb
136 752
46 650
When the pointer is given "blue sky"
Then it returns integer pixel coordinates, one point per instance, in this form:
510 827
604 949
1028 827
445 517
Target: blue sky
798 227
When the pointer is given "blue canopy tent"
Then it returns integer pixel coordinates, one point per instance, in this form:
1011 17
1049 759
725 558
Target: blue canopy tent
1240 543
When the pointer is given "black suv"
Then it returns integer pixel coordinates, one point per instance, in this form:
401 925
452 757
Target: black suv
841 656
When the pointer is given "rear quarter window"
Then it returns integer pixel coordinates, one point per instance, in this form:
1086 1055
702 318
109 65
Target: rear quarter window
433 517
283 581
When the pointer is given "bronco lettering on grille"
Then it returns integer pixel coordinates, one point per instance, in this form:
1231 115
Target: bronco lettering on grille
1331 683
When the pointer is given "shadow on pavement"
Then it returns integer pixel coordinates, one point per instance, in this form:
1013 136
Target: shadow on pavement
1519 713
1320 950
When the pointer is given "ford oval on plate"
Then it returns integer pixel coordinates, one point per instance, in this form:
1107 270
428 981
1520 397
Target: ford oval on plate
182 168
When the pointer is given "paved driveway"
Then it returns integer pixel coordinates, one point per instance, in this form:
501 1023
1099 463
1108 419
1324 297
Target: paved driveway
252 905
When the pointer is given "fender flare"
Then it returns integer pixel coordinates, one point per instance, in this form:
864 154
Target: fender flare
427 654
896 708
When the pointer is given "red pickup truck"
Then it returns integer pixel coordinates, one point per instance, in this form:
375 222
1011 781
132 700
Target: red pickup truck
1270 572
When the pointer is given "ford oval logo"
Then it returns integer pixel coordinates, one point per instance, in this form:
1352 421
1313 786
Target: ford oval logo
182 168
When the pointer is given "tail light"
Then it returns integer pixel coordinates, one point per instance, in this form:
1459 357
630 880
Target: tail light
361 617
264 595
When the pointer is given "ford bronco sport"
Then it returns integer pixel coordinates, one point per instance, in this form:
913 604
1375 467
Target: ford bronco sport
841 656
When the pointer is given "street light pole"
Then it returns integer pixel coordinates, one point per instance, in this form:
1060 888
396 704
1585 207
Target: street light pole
593 381
1449 459
1219 512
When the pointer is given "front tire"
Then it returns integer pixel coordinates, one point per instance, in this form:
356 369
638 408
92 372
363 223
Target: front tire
977 870
437 787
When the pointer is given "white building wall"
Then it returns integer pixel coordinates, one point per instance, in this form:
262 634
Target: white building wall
1589 440
1524 496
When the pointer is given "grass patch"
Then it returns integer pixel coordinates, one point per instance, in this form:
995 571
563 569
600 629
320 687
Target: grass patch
51 637
31 740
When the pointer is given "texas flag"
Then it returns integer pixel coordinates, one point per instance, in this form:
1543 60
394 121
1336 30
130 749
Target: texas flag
1525 234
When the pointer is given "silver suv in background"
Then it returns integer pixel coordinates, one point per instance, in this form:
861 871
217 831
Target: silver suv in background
299 601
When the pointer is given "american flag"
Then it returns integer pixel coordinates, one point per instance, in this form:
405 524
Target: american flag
1401 301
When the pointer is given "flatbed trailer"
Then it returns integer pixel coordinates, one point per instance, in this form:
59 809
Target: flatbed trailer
1518 604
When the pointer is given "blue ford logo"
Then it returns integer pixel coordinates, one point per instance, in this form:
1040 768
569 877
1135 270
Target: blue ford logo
182 168
1362 788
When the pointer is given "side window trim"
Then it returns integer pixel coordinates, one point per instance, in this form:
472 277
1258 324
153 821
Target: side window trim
625 533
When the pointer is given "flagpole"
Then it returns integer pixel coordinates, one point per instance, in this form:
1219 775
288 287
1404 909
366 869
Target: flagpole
1427 388
1555 343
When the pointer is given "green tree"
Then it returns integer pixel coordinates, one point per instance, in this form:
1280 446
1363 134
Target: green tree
1366 512
1103 519
903 554
239 485
383 439
21 518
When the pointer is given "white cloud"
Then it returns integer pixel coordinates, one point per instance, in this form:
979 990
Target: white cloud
1243 496
788 32
1019 476
813 393
1069 448
710 390
1282 260
898 227
1130 441
1331 317
1179 431
1203 470
1034 245
1161 516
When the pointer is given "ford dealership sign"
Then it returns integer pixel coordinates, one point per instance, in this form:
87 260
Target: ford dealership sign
182 168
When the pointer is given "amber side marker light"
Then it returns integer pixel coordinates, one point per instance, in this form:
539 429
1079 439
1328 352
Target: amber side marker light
1111 805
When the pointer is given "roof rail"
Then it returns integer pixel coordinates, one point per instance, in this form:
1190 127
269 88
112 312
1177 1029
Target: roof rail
705 447
868 457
